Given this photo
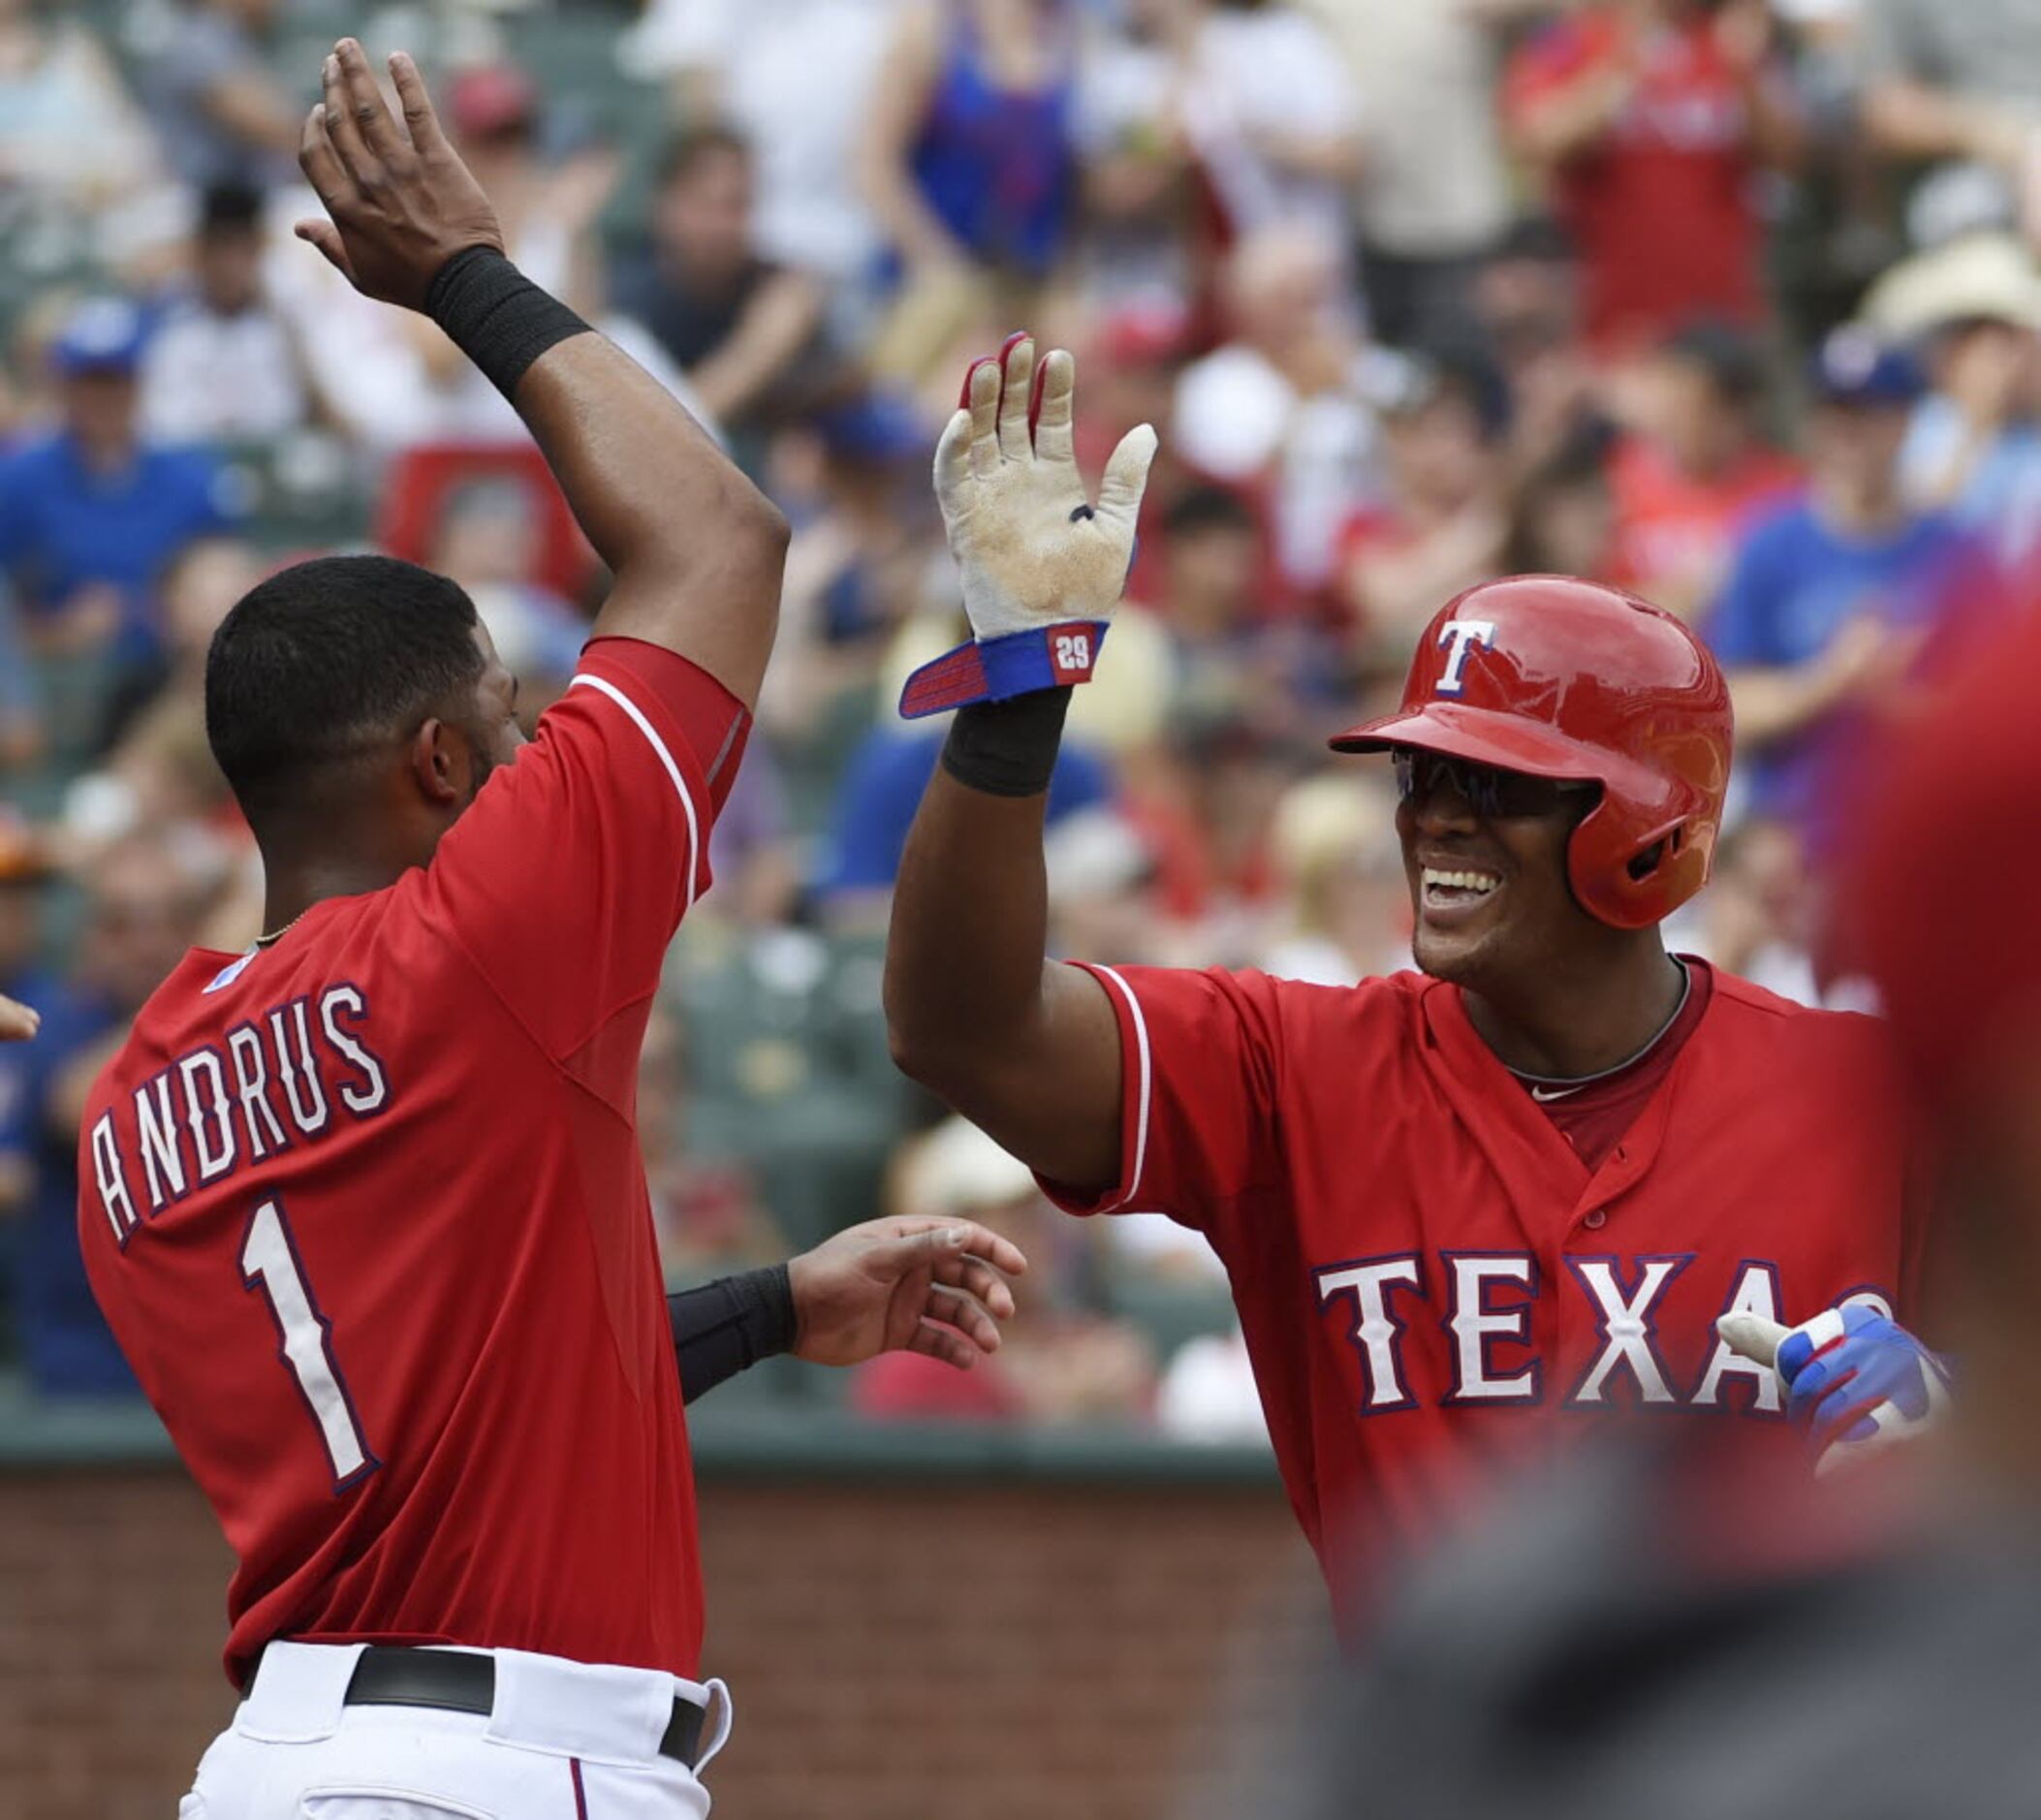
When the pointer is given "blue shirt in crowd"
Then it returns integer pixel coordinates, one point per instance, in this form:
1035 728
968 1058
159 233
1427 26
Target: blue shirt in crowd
63 527
881 789
65 1341
997 166
1795 583
2000 499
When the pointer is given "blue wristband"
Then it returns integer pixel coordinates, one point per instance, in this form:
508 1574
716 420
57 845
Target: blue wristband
996 670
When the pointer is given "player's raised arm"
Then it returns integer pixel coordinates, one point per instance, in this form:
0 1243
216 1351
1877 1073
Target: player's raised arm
1027 1050
694 548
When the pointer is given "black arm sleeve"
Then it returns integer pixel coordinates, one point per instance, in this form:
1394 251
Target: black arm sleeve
728 1326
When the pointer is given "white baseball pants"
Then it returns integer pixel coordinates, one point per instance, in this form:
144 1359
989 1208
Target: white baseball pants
564 1742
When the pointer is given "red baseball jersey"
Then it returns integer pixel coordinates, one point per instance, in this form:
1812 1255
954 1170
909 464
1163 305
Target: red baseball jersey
1434 1285
1663 206
366 1212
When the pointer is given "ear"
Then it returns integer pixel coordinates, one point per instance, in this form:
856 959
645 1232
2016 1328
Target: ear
440 763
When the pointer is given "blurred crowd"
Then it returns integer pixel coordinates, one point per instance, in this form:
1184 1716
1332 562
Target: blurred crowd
1734 303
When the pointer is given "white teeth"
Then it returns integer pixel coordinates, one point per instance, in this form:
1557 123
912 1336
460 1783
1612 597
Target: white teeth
1481 882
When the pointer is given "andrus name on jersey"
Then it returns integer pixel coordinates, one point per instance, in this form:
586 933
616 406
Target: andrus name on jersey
277 1080
1490 1299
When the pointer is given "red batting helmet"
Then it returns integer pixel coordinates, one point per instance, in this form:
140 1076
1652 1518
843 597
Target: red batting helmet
1568 680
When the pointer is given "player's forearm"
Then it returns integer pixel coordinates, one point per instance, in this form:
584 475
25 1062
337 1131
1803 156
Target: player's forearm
643 477
1027 1050
696 550
970 926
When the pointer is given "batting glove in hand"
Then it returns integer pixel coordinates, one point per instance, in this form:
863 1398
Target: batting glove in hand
1041 566
1856 1381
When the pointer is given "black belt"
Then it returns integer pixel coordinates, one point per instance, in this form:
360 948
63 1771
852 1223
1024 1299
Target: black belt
452 1682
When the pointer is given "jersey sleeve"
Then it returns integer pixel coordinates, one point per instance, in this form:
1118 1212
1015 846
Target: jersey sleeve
1201 1056
565 880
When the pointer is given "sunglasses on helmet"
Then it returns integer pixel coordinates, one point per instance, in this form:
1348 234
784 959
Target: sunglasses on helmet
1493 794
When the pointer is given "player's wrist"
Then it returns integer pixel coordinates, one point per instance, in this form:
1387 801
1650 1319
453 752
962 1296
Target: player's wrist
495 315
1007 748
729 1325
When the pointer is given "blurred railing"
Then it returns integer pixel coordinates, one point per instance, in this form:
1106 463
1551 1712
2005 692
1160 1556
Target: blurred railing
759 1439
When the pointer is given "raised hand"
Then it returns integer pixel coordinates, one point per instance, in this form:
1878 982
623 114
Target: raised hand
402 202
18 1021
931 1286
1027 537
1031 543
1041 566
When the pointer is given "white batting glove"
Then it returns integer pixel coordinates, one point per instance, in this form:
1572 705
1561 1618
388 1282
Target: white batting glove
1041 566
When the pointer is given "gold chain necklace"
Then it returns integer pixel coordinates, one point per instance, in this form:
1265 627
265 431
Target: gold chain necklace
270 940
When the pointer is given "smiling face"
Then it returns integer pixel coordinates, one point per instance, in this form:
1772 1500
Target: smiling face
1485 854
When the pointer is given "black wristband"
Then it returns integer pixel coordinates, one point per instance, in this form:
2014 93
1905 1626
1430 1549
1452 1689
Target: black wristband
496 316
1007 748
728 1326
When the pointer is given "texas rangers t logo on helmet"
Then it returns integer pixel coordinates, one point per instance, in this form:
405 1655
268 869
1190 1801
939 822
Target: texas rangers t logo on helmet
1460 636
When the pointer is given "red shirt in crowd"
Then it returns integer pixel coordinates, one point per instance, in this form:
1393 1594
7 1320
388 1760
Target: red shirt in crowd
1662 208
1436 1283
1675 532
906 1387
1370 531
365 1211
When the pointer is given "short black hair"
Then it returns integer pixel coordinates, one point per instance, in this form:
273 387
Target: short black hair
230 208
1201 509
1731 357
689 146
325 657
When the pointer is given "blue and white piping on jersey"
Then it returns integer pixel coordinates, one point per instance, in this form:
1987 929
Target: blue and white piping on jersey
1141 1116
666 758
232 970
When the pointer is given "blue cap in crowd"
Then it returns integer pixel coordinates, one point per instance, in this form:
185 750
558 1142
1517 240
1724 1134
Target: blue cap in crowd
102 334
1854 367
878 426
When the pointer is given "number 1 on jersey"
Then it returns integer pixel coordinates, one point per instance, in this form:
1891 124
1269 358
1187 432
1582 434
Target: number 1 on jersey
270 1263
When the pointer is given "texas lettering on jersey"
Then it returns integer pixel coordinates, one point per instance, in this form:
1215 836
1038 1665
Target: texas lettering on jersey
278 1079
1490 1300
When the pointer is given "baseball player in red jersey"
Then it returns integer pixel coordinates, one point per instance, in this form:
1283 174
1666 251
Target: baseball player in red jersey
1464 1212
364 1205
